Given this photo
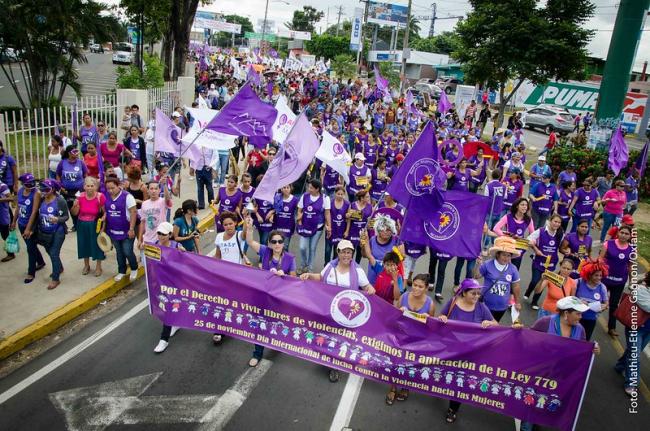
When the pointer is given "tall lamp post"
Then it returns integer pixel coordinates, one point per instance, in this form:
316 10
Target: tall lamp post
266 12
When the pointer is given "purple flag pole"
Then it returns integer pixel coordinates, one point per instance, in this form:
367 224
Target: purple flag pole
642 160
74 124
201 132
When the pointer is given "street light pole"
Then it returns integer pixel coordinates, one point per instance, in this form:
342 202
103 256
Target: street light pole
404 48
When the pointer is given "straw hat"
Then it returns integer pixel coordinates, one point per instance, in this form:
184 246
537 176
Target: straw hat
505 244
104 242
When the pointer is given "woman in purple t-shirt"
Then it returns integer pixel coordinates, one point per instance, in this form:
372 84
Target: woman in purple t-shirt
616 253
465 306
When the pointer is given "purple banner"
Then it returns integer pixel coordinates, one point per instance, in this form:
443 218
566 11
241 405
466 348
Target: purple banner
529 375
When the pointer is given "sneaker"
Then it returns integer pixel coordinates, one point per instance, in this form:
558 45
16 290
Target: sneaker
253 362
161 346
535 307
334 376
526 297
430 287
216 339
174 330
119 277
439 297
134 275
630 391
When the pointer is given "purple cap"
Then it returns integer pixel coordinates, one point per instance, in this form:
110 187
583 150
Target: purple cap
468 284
27 178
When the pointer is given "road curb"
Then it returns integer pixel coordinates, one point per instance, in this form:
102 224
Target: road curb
72 310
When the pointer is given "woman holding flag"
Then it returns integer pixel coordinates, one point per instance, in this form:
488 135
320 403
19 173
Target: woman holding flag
577 246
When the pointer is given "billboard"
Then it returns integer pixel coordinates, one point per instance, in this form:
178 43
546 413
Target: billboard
387 14
258 36
355 35
291 34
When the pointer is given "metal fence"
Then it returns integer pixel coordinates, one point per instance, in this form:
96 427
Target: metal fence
26 134
165 98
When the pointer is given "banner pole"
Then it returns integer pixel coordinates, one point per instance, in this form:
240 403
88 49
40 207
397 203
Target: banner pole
483 236
202 130
584 390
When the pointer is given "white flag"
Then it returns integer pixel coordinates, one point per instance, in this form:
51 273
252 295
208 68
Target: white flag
202 103
209 138
284 121
333 154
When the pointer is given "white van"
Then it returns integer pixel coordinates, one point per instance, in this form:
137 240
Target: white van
123 53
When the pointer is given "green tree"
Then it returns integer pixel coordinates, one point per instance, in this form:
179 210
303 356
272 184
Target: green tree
327 46
155 16
445 43
344 66
130 77
50 36
521 40
305 19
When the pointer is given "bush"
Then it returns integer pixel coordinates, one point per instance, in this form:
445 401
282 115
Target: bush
152 77
590 162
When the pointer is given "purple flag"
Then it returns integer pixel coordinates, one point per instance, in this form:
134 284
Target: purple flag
269 88
167 139
539 377
382 83
642 160
273 53
454 228
444 104
293 158
420 175
618 152
253 76
246 115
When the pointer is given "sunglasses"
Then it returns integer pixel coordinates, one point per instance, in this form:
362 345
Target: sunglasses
276 241
620 185
101 125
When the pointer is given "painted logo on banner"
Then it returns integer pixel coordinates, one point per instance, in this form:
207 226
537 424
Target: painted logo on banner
445 224
423 177
350 309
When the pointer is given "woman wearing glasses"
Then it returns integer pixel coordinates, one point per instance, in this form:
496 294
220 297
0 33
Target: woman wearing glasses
465 306
272 258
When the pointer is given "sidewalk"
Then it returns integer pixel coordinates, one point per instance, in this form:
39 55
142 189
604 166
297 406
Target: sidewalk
29 312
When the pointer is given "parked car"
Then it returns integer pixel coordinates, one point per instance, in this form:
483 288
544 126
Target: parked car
548 116
432 89
123 53
448 85
9 55
96 47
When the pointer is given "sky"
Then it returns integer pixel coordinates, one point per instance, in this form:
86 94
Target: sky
281 11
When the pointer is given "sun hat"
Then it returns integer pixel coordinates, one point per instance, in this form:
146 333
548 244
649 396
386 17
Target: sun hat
571 303
104 242
360 156
176 114
516 154
344 244
505 244
399 157
165 228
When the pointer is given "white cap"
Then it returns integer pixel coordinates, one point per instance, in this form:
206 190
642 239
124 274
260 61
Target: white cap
165 228
360 156
343 244
571 303
542 158
176 114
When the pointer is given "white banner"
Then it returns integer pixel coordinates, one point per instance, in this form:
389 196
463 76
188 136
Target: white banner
300 35
333 154
213 24
209 138
284 121
355 35
464 95
321 67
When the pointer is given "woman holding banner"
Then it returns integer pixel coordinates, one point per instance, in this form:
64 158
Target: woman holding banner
345 273
577 246
501 277
273 258
465 306
164 233
566 323
517 224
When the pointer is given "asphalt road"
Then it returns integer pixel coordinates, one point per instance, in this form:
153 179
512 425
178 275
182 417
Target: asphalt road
97 76
195 385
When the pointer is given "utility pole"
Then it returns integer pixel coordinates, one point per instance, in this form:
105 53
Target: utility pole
433 18
266 11
363 32
338 20
405 49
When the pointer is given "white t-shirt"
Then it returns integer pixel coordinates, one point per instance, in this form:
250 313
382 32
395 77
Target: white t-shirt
344 279
152 213
229 249
326 201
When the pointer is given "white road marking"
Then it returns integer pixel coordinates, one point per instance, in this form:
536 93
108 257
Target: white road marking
347 403
70 354
218 416
1 87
